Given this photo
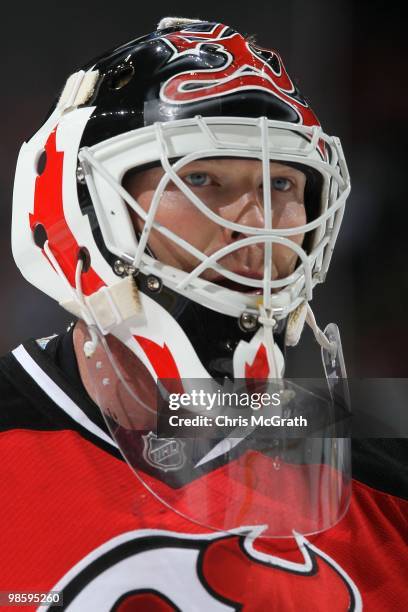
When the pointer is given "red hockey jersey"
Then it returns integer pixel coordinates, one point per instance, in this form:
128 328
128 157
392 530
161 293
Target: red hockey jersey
76 519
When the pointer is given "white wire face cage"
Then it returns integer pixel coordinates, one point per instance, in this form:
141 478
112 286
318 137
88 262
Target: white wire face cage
105 164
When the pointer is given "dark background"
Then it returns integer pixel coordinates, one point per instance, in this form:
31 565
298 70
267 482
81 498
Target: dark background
349 59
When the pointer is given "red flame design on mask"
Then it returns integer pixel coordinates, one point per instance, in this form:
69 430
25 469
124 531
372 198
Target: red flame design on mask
163 363
259 368
49 212
243 69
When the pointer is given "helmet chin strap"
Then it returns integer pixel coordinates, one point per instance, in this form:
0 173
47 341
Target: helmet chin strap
330 343
322 339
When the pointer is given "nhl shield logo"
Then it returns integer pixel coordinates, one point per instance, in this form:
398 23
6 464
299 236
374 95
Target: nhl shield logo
163 453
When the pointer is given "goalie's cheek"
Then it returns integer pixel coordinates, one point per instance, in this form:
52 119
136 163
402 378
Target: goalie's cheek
291 215
176 213
284 261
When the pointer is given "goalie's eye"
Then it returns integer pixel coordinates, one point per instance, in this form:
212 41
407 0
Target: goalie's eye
281 184
197 179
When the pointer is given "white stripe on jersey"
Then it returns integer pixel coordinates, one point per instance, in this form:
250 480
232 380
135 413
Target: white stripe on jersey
58 395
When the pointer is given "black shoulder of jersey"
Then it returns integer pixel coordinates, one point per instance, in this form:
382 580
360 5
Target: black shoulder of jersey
382 463
35 393
22 402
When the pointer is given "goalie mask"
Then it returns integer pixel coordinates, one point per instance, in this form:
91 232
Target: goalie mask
189 96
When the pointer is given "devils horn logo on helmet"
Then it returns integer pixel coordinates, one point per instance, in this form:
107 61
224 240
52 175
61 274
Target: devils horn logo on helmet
217 51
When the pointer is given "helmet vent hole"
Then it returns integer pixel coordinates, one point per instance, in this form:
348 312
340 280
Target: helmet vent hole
40 235
121 76
85 257
41 162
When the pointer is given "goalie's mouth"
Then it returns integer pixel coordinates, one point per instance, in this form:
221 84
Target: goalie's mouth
235 286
